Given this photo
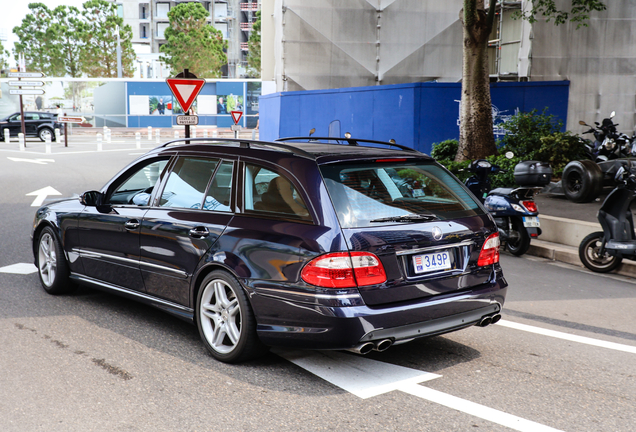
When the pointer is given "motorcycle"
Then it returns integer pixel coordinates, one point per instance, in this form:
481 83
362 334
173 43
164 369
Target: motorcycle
603 251
514 209
608 144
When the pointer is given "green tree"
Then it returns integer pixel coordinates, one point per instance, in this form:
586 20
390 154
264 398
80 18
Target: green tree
99 36
476 138
4 57
254 45
192 43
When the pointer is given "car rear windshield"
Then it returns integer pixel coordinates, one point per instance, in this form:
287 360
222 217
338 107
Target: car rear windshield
390 192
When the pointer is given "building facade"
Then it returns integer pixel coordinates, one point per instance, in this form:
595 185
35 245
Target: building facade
149 21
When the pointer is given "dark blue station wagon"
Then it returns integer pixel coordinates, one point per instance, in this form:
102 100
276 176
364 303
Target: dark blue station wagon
340 244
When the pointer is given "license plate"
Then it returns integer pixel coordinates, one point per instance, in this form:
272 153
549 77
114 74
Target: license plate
431 262
531 222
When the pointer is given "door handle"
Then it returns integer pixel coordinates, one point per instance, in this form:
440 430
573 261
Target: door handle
132 224
199 232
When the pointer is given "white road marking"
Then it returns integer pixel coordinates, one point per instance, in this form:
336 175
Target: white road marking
361 376
41 194
570 337
366 378
35 161
477 410
20 268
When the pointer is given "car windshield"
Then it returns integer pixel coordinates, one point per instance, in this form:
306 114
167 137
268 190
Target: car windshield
372 194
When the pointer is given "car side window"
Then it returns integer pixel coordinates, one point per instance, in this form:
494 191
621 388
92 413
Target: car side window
268 191
187 183
220 190
137 188
31 117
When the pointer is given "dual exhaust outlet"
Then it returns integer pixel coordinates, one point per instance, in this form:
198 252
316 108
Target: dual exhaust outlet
367 347
489 319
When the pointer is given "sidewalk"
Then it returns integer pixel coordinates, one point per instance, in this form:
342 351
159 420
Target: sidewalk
565 224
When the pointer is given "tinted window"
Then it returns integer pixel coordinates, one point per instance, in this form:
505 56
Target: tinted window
136 189
268 191
31 117
364 193
220 190
187 183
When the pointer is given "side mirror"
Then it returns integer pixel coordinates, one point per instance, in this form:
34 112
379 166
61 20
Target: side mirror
582 123
91 198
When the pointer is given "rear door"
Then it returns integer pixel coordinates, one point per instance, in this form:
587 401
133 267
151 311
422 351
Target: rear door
417 218
188 217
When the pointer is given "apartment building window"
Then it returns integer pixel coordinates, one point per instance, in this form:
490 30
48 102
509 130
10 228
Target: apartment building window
162 10
161 29
143 31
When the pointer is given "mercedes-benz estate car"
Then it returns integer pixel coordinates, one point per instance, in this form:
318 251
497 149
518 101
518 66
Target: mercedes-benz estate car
321 244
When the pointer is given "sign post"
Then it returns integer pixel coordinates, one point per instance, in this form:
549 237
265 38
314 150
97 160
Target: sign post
186 87
236 116
20 91
66 120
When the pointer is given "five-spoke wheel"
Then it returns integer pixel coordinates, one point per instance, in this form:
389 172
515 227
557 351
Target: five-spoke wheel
52 266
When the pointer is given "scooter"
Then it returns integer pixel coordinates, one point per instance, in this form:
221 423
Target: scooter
513 209
603 251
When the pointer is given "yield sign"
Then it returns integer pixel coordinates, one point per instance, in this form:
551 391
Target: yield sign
185 90
236 116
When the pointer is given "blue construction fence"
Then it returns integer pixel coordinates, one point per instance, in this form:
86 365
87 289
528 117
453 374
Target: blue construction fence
416 115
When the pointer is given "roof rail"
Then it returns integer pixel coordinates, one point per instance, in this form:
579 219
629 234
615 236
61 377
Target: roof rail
349 141
242 142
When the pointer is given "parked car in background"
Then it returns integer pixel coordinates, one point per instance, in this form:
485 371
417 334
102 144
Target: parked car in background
37 124
341 244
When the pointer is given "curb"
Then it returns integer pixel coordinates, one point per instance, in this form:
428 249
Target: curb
570 233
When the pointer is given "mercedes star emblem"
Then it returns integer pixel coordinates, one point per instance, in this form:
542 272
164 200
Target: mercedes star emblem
437 233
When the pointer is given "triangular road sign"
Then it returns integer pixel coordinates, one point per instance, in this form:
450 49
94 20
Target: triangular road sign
185 90
236 116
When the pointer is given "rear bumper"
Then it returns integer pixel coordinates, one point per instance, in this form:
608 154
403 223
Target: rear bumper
299 325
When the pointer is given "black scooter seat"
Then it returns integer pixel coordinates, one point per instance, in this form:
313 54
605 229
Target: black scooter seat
625 247
501 191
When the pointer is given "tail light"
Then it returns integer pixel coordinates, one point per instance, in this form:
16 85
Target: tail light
344 270
531 206
489 251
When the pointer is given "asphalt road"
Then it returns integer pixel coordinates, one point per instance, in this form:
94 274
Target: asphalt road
561 359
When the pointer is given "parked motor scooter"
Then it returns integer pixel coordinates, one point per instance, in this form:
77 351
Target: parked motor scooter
603 251
513 209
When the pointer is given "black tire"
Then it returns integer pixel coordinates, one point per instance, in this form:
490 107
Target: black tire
589 254
521 243
582 181
225 319
52 266
44 132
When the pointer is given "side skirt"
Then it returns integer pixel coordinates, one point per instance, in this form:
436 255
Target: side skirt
185 313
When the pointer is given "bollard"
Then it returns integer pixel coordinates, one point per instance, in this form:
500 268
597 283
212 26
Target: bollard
58 136
205 133
149 133
7 135
21 141
138 139
193 131
176 134
158 136
253 134
108 136
214 134
47 145
99 142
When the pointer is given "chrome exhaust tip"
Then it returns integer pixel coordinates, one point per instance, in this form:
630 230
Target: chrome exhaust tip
364 348
383 345
495 319
485 321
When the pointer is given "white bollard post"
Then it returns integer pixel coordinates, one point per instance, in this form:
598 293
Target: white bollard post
47 145
158 136
149 133
108 135
99 142
7 135
176 134
58 136
138 139
21 141
214 134
253 134
193 131
205 133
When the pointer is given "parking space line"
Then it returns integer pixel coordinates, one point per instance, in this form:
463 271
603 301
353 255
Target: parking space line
19 268
570 337
475 409
367 378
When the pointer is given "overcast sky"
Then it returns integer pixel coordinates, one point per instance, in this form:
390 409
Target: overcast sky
13 11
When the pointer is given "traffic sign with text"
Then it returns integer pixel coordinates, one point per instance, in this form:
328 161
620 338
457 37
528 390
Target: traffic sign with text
26 91
236 116
25 74
185 90
26 83
187 120
67 119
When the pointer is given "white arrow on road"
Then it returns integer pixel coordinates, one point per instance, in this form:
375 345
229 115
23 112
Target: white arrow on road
41 194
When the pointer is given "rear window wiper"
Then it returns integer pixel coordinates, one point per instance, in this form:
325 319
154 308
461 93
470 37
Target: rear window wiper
408 218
